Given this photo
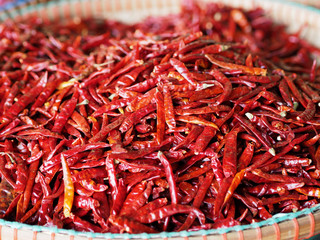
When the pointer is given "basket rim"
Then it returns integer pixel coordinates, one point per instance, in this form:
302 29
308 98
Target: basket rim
278 218
30 5
18 3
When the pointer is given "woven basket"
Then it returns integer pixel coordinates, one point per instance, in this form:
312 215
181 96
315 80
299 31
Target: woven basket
300 225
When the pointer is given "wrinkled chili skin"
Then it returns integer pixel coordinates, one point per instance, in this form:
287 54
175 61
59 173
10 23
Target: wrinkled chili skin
156 126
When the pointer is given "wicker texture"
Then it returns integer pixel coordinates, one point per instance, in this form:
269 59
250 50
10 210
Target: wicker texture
295 17
297 228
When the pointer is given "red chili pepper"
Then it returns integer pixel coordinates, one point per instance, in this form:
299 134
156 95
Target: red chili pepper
137 198
160 117
168 108
308 113
295 91
308 90
203 188
217 169
170 210
192 136
225 184
68 188
182 69
229 162
45 94
245 69
196 173
246 156
247 124
135 117
170 177
24 100
88 174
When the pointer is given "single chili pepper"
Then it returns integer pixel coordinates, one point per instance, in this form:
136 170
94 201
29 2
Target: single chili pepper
71 152
189 190
11 206
217 169
295 91
233 186
202 110
151 206
312 141
243 82
205 92
28 189
204 186
196 120
84 225
68 188
88 174
229 161
135 117
31 212
10 126
118 198
309 191
142 101
247 124
246 156
183 70
274 200
225 184
245 69
170 177
65 113
105 130
133 205
141 152
192 136
160 117
45 94
22 175
196 173
204 139
170 210
145 85
11 93
81 191
112 175
227 86
112 106
301 162
308 113
273 188
168 108
278 177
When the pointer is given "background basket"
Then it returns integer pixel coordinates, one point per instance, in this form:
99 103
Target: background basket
303 224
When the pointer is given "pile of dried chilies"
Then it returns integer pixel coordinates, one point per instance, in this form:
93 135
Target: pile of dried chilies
157 126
